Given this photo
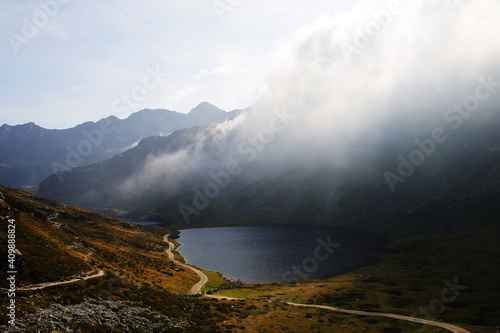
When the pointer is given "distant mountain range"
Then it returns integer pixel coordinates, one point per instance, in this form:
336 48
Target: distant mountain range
29 153
184 178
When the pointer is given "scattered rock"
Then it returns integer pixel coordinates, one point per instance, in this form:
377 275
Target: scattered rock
115 314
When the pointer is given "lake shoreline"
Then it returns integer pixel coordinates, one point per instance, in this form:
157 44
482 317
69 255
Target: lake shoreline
210 253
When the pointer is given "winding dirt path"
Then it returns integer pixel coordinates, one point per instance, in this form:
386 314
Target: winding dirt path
196 289
449 327
50 284
203 279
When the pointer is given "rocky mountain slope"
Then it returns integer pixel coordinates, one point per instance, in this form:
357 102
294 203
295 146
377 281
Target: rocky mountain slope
141 290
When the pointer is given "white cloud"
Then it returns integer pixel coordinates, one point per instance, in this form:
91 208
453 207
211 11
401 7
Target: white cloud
224 71
174 101
103 47
400 83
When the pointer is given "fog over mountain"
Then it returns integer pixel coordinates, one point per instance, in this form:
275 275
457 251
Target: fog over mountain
356 107
29 153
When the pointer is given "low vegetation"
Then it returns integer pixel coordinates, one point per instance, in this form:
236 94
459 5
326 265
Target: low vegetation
58 242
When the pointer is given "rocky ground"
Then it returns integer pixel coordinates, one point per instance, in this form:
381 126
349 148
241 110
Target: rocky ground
93 312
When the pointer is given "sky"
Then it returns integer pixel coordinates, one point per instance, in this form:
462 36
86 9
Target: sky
64 62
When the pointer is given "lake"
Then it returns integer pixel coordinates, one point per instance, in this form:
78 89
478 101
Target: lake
136 222
276 254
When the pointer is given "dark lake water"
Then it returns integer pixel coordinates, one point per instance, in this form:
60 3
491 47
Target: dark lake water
276 254
140 222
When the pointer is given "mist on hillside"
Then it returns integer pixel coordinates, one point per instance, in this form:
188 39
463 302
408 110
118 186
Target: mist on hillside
351 88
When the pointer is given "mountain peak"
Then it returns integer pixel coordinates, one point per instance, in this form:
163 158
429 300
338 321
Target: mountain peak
205 104
205 108
30 124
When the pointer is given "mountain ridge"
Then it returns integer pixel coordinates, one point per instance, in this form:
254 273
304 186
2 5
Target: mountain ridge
29 152
285 191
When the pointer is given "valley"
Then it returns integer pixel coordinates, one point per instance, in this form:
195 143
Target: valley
390 285
347 181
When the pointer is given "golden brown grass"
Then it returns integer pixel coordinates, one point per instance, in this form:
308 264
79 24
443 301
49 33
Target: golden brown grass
137 269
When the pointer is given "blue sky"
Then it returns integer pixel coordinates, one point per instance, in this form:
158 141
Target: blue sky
84 58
